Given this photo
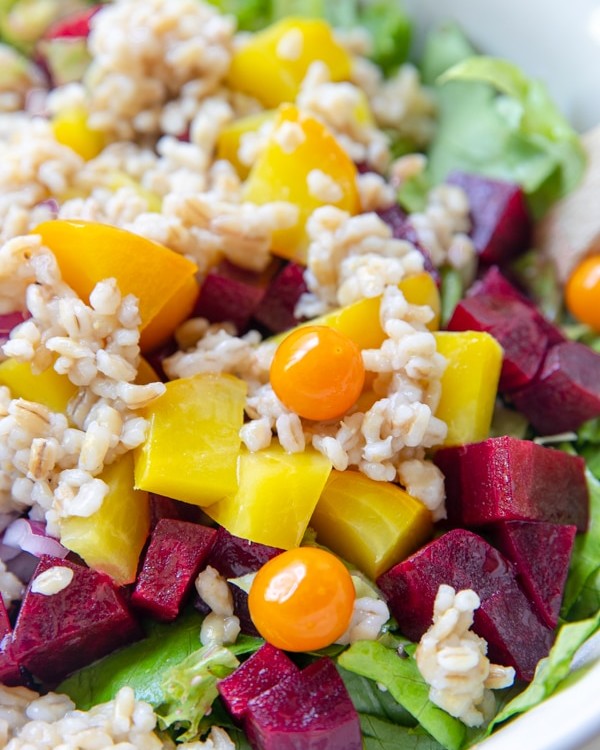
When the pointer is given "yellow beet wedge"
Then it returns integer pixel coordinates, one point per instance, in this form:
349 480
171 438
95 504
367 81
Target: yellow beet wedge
230 138
47 387
372 525
304 164
112 538
192 446
469 384
277 494
162 280
272 64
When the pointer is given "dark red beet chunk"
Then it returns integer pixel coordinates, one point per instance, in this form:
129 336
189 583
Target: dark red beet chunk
495 284
464 560
233 557
541 553
402 229
566 391
513 324
55 635
506 479
501 225
276 310
175 555
231 294
10 673
167 507
309 710
260 672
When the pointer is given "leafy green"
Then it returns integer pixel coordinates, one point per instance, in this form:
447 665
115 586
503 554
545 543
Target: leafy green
406 685
584 570
552 670
190 688
495 121
370 700
412 195
379 734
452 291
251 15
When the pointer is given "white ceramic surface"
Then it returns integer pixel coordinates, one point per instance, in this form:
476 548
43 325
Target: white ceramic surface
557 41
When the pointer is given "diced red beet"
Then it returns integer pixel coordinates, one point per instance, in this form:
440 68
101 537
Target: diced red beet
265 668
402 229
9 321
233 557
57 634
74 25
464 560
167 507
541 553
276 310
513 324
174 557
10 673
495 284
565 392
501 224
229 293
309 710
460 559
507 479
515 635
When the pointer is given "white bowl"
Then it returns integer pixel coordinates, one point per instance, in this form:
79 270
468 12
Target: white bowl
558 43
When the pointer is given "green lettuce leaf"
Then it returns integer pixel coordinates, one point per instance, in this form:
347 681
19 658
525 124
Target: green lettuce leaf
552 670
251 15
379 734
190 688
584 570
406 685
495 121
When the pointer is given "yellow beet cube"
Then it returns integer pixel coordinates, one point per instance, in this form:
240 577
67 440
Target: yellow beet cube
469 384
272 64
48 387
372 525
302 163
112 538
230 138
71 129
192 447
277 494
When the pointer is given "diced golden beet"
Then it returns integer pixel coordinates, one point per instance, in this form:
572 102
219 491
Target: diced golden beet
360 320
290 164
372 525
112 538
48 387
192 447
469 384
162 280
230 138
276 497
272 64
120 179
71 129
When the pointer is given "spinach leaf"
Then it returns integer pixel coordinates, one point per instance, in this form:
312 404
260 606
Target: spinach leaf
379 734
406 685
370 700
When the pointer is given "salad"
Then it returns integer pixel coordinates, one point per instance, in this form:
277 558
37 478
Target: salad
299 410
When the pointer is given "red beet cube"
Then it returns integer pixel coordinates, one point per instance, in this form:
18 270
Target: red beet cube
541 553
402 229
265 668
233 557
10 673
175 555
167 507
514 325
506 479
56 634
464 560
309 710
501 224
565 392
276 310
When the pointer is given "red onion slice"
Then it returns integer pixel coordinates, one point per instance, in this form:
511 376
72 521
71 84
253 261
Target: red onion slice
30 536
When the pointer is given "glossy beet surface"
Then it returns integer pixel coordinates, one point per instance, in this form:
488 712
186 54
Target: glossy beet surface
55 635
464 560
565 392
541 553
261 671
275 312
501 225
507 479
10 674
175 555
309 710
